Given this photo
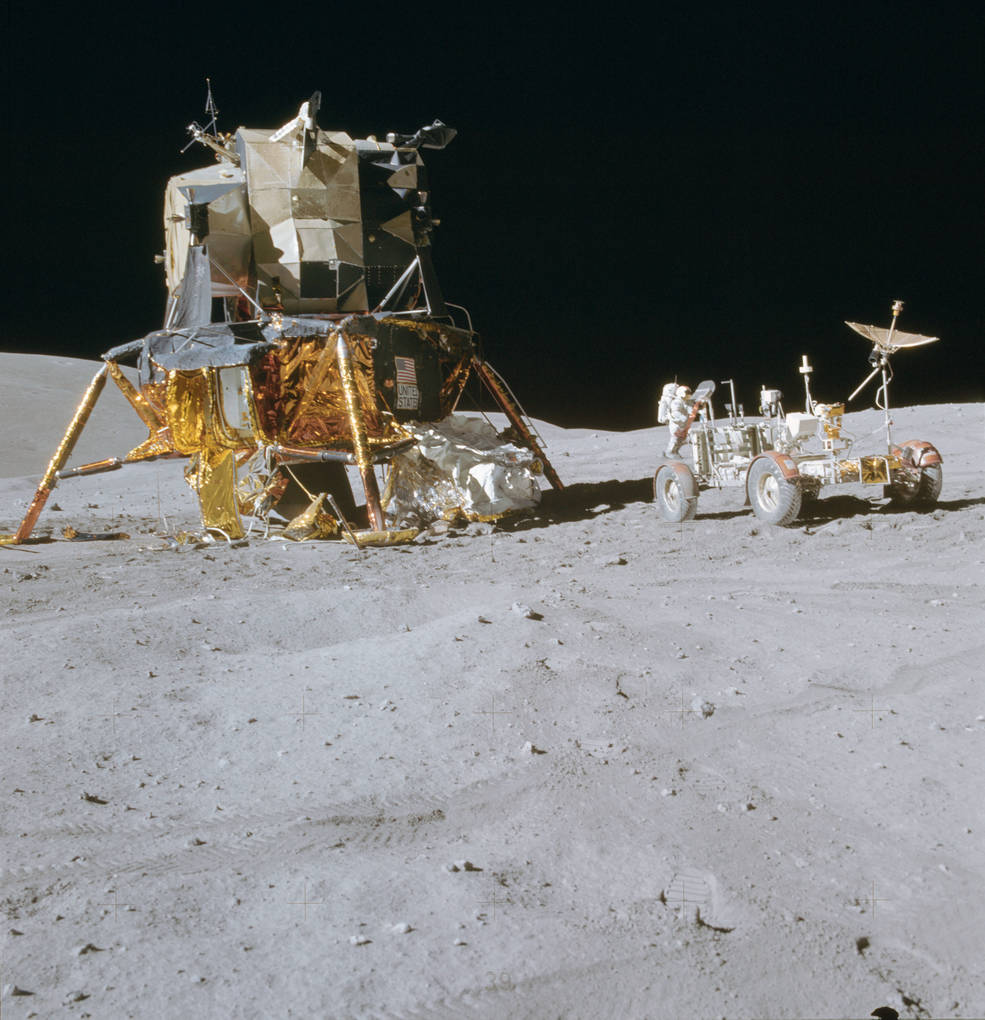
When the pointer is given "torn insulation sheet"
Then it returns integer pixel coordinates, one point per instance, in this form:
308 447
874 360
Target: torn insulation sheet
460 468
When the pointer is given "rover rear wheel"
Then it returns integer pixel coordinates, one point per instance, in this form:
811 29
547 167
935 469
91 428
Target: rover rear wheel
931 482
676 493
926 489
774 499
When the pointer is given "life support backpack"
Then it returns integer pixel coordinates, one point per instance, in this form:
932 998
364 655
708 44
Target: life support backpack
663 408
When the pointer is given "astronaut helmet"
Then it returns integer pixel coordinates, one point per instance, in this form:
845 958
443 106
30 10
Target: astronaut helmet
683 392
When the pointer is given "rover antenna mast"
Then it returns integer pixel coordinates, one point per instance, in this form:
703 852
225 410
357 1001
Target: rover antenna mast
887 374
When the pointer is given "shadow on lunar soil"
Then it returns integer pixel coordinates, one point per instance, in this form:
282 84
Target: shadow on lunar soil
585 501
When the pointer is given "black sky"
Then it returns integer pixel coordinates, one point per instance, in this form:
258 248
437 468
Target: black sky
706 190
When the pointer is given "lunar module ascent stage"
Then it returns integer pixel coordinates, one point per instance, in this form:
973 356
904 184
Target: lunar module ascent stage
306 331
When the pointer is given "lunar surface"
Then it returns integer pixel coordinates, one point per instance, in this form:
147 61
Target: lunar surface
581 764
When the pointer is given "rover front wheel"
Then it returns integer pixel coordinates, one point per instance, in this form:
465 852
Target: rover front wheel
676 493
774 499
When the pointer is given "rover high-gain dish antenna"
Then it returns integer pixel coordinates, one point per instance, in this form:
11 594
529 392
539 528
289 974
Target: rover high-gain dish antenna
889 340
886 342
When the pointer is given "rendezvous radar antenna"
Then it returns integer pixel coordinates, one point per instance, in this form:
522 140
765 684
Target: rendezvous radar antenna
209 136
210 107
886 342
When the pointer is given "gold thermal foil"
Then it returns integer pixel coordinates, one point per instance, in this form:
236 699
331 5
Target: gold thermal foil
401 537
138 401
315 381
195 413
455 342
189 410
848 471
311 415
213 476
313 523
156 395
353 403
308 398
158 444
874 470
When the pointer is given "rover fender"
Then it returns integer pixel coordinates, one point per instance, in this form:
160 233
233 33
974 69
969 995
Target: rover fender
919 453
920 476
786 464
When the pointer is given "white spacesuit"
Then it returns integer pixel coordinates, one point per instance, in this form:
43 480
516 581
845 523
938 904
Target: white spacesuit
680 409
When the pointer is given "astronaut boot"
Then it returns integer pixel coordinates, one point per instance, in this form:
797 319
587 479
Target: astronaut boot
671 452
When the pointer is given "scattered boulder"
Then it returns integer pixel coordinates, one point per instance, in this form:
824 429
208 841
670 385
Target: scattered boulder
702 707
526 612
11 990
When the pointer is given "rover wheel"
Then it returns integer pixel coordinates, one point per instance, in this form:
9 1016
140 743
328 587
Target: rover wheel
931 482
774 499
924 489
676 493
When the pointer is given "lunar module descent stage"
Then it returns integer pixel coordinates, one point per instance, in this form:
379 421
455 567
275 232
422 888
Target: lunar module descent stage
305 331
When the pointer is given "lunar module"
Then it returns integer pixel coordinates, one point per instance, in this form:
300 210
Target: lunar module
783 459
305 332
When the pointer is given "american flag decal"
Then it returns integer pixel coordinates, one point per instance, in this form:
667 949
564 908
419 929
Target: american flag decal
406 371
408 395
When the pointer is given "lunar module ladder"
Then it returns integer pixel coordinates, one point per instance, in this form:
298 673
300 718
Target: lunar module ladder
496 385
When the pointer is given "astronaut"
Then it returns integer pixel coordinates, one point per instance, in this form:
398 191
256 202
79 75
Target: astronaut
680 410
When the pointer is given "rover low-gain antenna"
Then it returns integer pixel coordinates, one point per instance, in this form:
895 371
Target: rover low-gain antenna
805 370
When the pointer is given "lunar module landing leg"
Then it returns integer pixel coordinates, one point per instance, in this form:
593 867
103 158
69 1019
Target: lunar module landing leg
50 478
